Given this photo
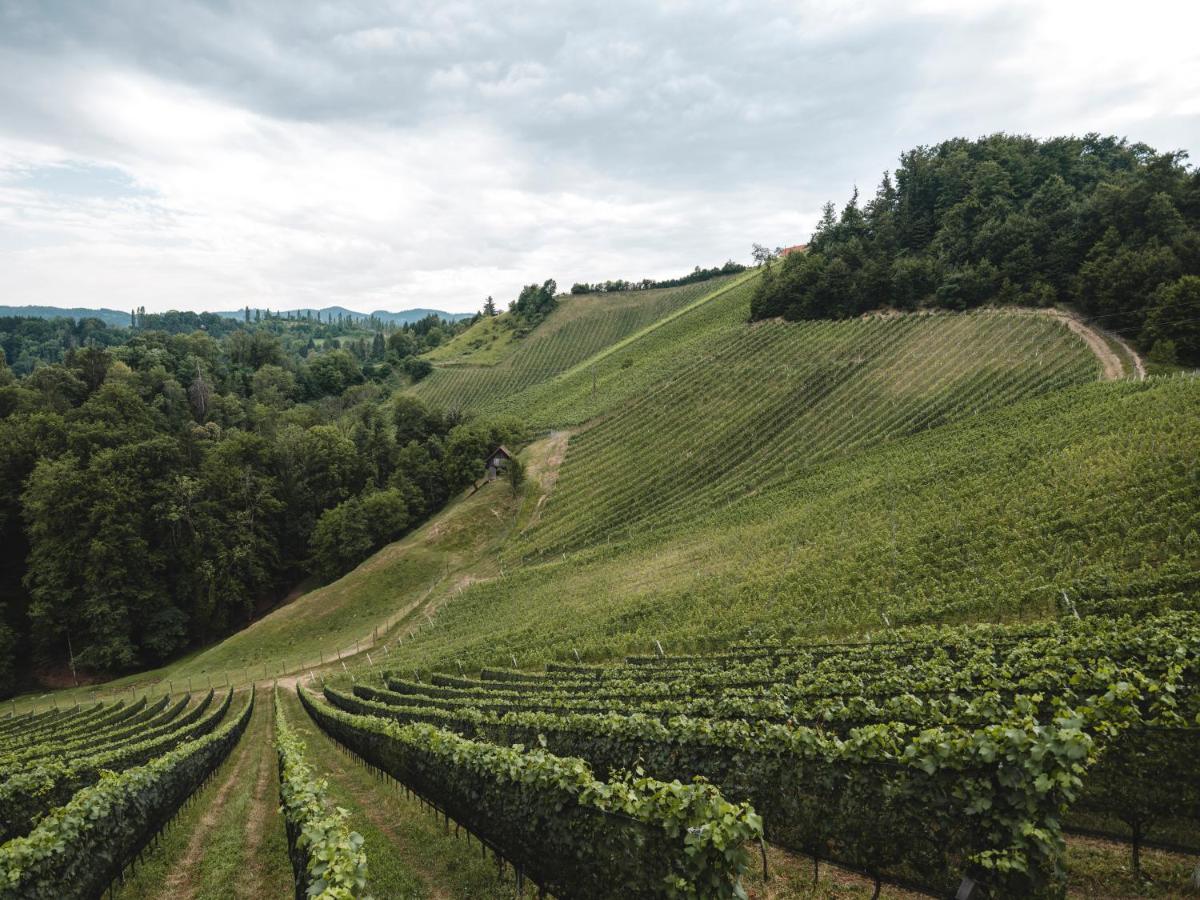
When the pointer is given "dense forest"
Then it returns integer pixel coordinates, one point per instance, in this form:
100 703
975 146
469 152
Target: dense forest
1109 227
29 341
160 485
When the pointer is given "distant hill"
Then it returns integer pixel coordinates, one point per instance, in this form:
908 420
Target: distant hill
399 318
114 317
120 319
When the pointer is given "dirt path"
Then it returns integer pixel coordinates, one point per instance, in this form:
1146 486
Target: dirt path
260 817
1139 368
546 473
1111 366
181 885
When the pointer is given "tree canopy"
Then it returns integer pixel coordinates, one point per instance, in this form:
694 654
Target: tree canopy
533 304
158 489
1108 226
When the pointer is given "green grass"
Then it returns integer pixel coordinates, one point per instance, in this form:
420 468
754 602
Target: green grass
380 593
483 344
1103 869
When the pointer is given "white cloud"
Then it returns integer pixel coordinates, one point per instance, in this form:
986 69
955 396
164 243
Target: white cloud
428 154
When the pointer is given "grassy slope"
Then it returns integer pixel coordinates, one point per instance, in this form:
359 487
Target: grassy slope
389 592
483 344
384 592
658 388
776 399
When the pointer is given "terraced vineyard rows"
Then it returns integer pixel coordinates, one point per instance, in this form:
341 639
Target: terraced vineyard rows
951 754
782 398
571 833
623 371
580 328
76 811
994 518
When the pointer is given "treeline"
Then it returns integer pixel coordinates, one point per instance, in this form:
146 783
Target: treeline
27 341
30 342
156 493
1108 226
533 304
697 274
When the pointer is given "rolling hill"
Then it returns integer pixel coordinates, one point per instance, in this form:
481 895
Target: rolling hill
700 484
677 429
331 312
582 327
111 317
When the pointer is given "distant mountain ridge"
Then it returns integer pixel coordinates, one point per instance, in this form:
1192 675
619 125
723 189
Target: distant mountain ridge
120 319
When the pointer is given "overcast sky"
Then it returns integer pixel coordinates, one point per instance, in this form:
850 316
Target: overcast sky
386 155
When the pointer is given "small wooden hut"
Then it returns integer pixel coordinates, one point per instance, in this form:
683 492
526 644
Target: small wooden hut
496 462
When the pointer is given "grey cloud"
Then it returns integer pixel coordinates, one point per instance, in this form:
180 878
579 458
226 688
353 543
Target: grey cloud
687 95
390 149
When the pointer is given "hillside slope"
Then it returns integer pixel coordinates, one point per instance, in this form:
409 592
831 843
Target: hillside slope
771 401
580 327
1093 490
731 476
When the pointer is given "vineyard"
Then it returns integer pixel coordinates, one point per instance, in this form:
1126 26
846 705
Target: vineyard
992 519
519 452
87 790
783 398
895 605
933 757
579 329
